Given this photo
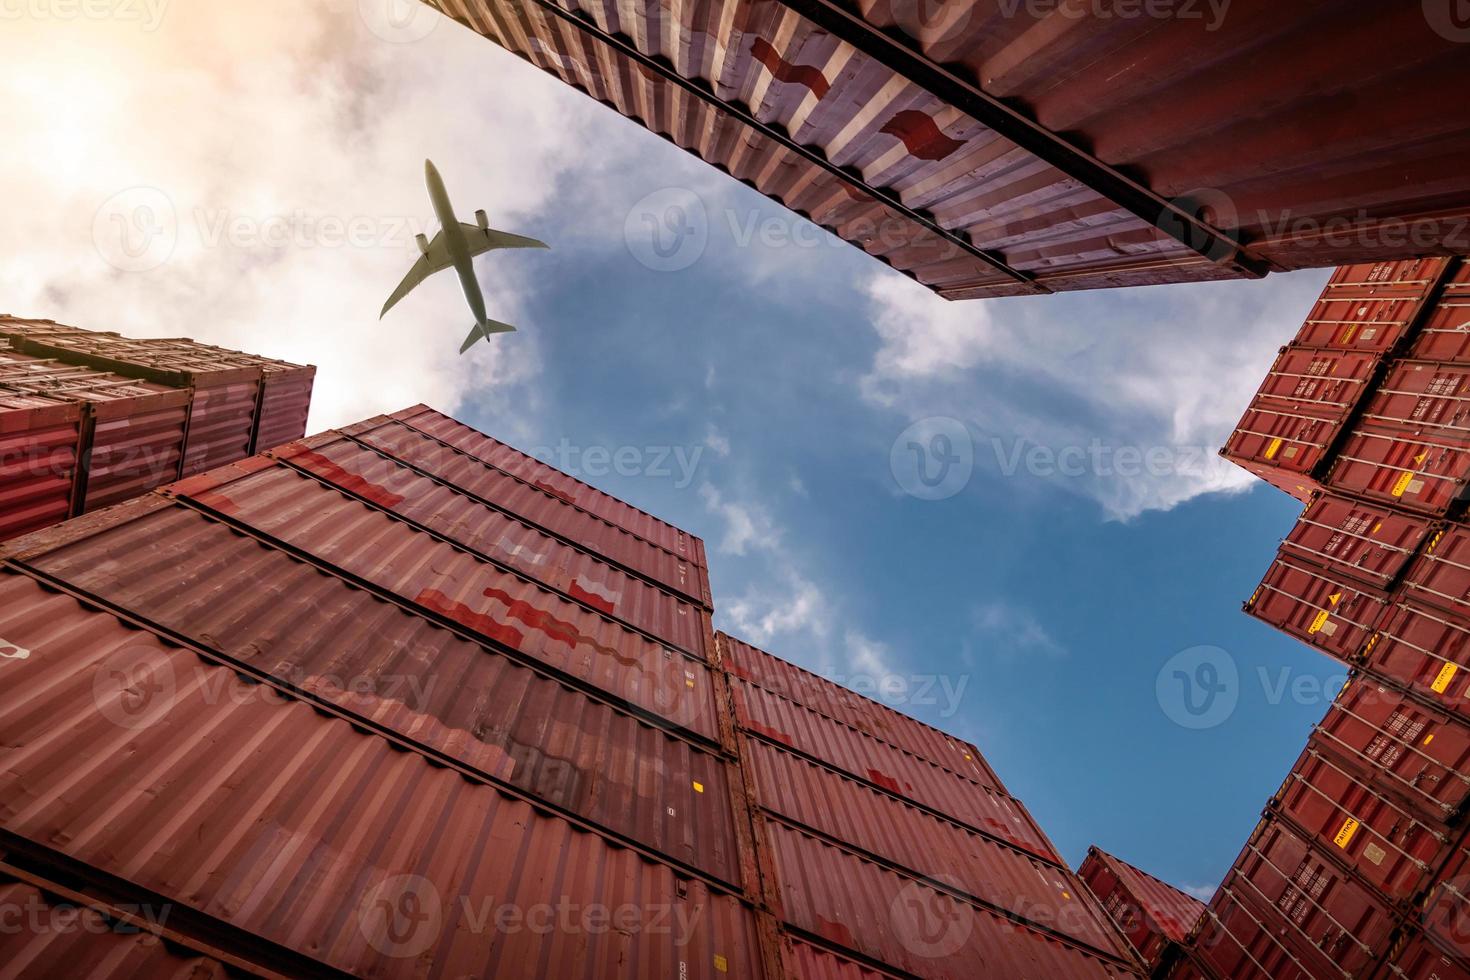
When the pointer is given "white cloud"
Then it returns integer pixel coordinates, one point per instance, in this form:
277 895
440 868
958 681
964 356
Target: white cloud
1011 631
264 134
716 440
787 604
867 656
1202 892
747 526
1166 370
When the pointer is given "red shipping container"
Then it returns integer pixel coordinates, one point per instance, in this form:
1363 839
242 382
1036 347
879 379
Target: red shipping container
1234 942
1366 542
1441 576
1318 607
579 576
807 961
1445 335
1155 917
425 686
866 758
1419 959
1006 874
538 508
1332 924
1185 968
242 803
1402 746
1445 916
47 936
1379 839
1425 650
866 715
40 441
528 469
1411 448
906 923
1371 306
130 558
1295 419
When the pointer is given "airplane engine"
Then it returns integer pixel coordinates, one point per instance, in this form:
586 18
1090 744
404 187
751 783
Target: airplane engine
483 219
423 241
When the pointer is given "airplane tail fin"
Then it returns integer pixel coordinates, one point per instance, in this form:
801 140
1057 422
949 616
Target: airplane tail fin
482 331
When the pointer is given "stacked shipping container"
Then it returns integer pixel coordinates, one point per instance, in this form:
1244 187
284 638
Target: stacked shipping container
990 148
1155 917
399 694
1351 871
93 419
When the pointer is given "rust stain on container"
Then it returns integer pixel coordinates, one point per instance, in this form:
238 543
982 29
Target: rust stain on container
441 508
134 564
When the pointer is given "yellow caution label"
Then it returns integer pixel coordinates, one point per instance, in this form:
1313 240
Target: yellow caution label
1345 835
1428 738
1318 621
1419 460
722 964
1402 483
1376 528
1442 680
1347 335
699 787
1273 448
1334 599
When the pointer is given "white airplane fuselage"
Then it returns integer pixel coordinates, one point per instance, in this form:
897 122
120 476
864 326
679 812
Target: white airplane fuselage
455 241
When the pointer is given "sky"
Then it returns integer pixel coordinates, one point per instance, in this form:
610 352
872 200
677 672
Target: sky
1005 517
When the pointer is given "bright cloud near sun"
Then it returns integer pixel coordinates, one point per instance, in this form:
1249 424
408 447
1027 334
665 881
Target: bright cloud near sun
251 174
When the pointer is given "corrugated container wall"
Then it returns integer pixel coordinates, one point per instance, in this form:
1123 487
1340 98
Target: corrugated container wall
93 419
400 694
991 149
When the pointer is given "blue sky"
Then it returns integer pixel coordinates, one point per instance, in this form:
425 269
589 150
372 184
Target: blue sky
764 394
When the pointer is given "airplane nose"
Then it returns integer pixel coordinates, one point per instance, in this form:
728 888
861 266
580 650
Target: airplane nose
429 167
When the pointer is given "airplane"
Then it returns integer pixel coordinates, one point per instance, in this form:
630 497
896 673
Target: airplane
456 245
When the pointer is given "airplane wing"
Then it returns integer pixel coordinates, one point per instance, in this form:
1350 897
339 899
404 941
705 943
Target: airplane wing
484 239
477 334
434 260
